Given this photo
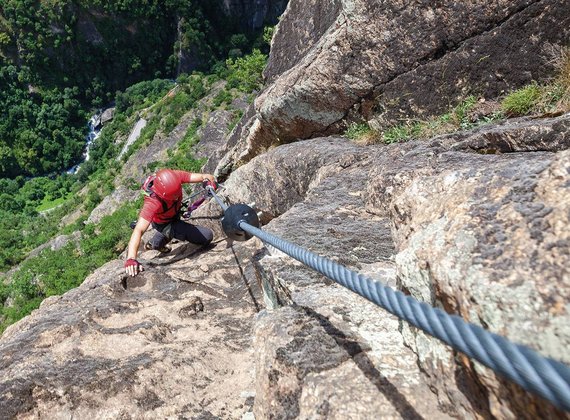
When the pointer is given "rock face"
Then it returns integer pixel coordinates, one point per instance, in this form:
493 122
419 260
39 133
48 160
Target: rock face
497 255
289 44
111 203
384 61
252 15
481 235
136 166
493 251
107 115
467 222
168 342
475 223
215 132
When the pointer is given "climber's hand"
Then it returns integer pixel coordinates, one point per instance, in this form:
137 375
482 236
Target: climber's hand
133 267
210 183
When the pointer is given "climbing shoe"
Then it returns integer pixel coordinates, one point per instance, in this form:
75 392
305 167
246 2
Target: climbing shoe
164 250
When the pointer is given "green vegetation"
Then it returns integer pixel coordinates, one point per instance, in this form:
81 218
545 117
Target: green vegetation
141 95
55 272
361 132
182 157
40 132
245 73
522 101
58 59
268 33
552 97
224 97
458 118
537 99
102 46
22 227
49 203
166 113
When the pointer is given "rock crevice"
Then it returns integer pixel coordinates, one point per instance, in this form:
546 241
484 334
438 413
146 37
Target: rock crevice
377 67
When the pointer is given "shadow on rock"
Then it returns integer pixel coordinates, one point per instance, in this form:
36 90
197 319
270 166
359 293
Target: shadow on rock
356 352
182 252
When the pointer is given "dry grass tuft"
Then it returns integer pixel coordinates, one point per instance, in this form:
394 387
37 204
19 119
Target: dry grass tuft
546 99
562 64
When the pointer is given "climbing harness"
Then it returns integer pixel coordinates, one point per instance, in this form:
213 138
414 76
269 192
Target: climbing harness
540 375
189 204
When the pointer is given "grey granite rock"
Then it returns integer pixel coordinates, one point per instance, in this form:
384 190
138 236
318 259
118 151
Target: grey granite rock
333 63
121 347
480 235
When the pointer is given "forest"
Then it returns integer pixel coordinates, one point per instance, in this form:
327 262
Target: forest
61 59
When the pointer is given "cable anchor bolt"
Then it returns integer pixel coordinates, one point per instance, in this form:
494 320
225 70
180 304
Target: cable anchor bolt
233 216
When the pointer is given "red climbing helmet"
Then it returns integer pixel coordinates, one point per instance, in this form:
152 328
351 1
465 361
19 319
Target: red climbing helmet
166 185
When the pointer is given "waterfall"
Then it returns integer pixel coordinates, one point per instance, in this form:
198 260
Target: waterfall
94 125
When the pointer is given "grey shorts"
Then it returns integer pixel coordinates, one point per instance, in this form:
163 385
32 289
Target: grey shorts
182 231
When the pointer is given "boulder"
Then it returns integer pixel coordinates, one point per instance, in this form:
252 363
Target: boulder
61 241
107 115
385 62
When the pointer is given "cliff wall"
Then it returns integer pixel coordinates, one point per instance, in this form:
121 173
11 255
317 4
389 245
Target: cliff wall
253 15
473 222
385 62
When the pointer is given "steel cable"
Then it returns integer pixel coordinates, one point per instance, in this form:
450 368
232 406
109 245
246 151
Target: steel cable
543 376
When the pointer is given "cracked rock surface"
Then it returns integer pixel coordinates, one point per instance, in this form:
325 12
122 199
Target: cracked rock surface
169 342
475 223
247 332
386 61
480 235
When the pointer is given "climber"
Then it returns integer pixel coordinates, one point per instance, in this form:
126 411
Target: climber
161 208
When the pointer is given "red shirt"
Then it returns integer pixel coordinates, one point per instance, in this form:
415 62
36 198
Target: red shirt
153 207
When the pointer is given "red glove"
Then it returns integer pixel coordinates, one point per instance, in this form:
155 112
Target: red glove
132 267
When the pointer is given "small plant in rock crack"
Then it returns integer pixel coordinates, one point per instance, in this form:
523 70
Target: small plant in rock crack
552 97
522 101
362 133
458 118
